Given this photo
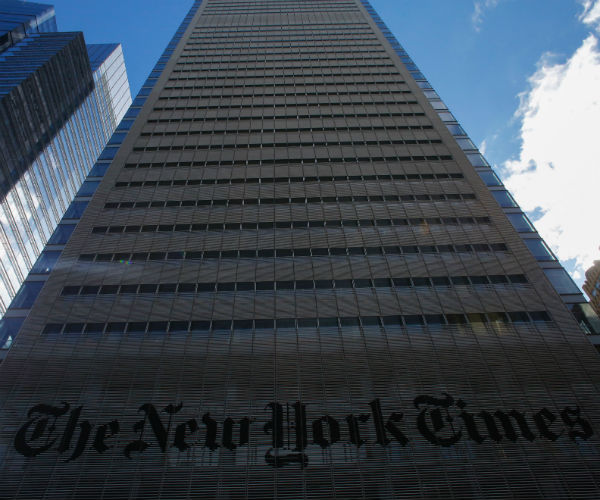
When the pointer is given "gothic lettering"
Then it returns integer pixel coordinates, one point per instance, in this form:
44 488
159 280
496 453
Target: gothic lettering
103 433
43 420
431 422
585 431
543 420
442 421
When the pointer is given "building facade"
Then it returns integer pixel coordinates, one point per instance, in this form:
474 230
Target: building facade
60 101
592 285
298 278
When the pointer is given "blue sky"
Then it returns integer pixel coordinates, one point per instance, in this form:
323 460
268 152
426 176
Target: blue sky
522 76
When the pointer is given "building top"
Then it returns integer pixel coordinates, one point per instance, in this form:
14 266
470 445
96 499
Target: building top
100 52
18 19
592 285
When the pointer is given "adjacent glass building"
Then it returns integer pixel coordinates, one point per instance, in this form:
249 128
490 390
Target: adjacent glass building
298 278
60 101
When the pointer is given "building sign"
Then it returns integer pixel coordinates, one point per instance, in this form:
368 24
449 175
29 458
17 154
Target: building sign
292 429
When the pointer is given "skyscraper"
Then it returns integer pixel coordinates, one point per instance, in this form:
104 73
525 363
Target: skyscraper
60 101
299 279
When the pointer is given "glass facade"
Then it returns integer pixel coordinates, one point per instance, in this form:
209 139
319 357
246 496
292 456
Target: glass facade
292 282
60 101
19 19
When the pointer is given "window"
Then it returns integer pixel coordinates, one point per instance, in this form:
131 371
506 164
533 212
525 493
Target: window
490 178
456 129
521 223
99 169
61 234
109 153
9 327
45 262
504 199
465 144
477 160
88 188
26 295
539 249
561 281
75 210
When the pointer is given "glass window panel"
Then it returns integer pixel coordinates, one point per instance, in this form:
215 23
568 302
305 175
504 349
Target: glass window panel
75 210
88 188
125 125
455 129
9 327
477 160
61 234
504 199
99 169
45 262
447 117
132 113
26 295
586 317
466 144
520 222
561 281
117 138
108 153
539 249
489 177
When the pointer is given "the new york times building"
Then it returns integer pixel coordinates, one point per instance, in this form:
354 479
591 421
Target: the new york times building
298 279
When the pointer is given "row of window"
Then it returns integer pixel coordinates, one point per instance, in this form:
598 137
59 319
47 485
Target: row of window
278 30
299 116
237 226
287 200
324 50
291 144
125 258
278 10
293 161
286 180
273 84
371 92
260 75
280 80
199 47
295 104
407 320
226 42
278 68
324 284
259 40
267 57
252 48
275 129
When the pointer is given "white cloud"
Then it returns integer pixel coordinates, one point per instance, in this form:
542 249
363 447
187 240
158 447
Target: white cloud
479 9
591 12
483 147
557 173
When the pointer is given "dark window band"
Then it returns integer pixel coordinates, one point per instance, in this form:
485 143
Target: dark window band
285 201
290 252
262 145
285 180
324 284
305 161
408 321
253 226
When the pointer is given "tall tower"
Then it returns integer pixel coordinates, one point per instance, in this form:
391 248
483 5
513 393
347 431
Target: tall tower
60 101
299 279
